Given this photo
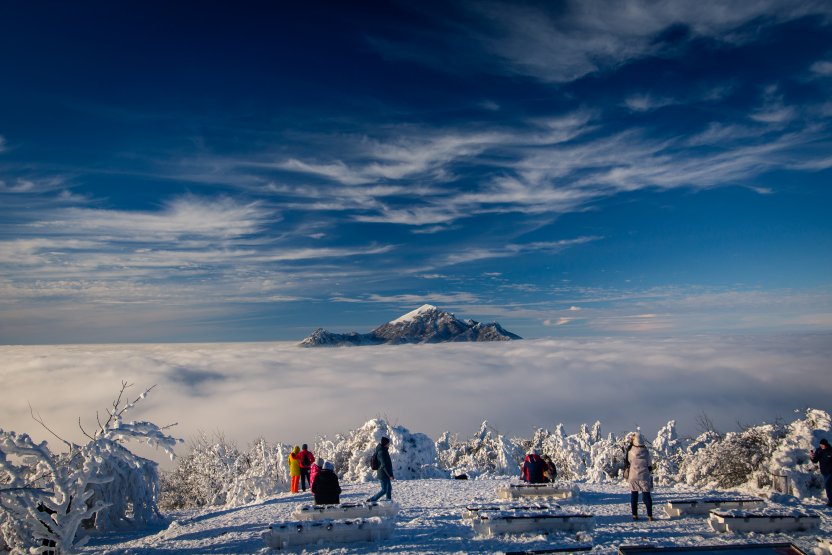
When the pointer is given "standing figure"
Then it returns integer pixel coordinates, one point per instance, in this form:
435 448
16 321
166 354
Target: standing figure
294 468
325 486
550 472
533 468
639 474
385 470
823 457
306 460
313 471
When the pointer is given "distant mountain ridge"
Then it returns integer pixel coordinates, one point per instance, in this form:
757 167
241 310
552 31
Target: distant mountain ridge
426 324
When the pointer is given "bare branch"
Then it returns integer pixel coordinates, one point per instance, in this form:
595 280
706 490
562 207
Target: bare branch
83 431
37 418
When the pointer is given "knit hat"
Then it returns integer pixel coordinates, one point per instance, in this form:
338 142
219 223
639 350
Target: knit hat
329 466
824 442
305 446
385 440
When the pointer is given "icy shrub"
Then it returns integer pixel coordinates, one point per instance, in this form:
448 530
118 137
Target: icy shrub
790 460
413 454
731 461
46 499
668 451
216 472
485 454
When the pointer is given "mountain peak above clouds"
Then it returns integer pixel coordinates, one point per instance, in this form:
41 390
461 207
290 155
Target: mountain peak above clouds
426 324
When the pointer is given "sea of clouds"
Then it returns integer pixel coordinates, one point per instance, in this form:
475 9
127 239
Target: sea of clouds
290 394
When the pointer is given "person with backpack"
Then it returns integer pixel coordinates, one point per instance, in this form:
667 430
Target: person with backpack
533 468
823 458
306 459
381 463
639 474
294 468
325 487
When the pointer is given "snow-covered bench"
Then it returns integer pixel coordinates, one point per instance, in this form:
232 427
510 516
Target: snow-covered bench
764 520
705 505
364 509
558 490
491 523
755 548
473 511
324 532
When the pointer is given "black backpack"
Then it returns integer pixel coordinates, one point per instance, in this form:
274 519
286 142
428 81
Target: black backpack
375 464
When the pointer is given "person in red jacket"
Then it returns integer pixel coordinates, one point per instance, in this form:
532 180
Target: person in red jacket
306 458
533 468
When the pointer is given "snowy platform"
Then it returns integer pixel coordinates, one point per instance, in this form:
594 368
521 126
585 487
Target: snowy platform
364 509
473 511
764 521
324 532
558 490
824 547
747 549
492 523
707 504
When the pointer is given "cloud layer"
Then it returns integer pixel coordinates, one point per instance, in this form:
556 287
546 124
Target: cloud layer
289 394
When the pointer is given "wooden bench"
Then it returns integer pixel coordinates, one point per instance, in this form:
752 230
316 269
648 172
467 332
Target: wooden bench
707 504
492 523
557 490
765 521
325 532
748 548
364 509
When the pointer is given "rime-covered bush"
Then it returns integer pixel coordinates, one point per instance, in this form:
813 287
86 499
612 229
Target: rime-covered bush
46 499
668 452
413 454
790 459
216 472
734 460
486 454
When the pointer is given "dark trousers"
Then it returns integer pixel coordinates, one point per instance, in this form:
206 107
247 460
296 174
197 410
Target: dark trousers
648 502
304 478
827 485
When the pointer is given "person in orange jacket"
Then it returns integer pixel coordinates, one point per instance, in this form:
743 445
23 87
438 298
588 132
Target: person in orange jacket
294 468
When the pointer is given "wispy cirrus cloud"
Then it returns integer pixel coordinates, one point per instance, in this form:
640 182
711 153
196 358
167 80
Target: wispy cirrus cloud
564 43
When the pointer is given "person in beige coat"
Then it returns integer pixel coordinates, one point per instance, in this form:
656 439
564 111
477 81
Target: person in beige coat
639 474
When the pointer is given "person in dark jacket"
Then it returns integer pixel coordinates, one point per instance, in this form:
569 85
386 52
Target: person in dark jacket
385 470
550 471
306 459
533 468
823 457
326 488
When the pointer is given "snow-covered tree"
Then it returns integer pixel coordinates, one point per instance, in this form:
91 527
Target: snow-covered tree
413 454
487 453
45 498
216 472
790 460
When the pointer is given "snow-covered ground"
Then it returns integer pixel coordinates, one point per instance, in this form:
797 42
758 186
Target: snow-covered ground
430 521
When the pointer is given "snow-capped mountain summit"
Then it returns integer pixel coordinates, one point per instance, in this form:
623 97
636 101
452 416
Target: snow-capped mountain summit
426 324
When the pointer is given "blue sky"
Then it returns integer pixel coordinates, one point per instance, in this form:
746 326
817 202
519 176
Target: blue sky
219 172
